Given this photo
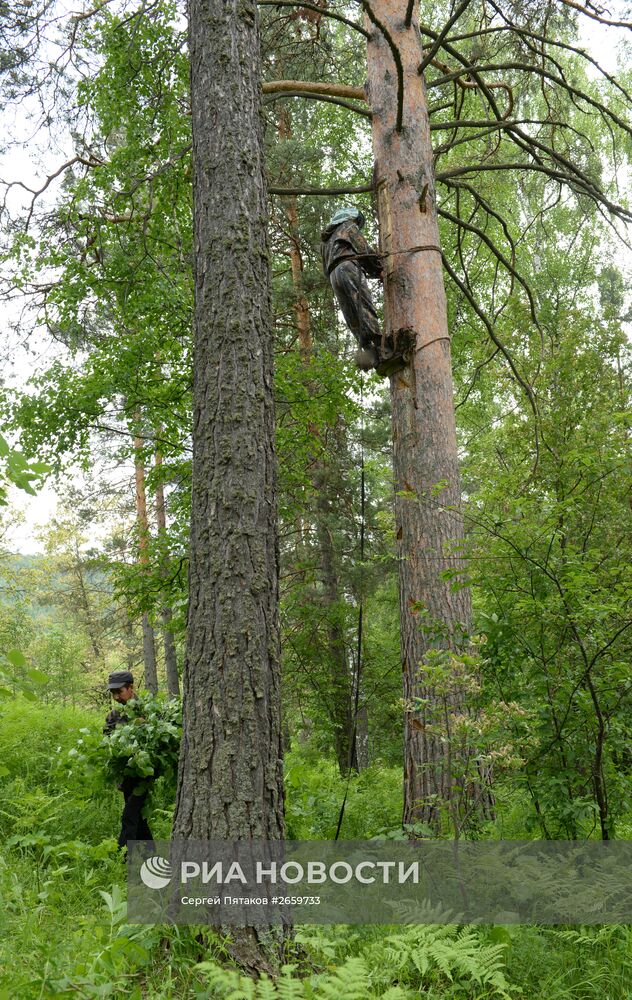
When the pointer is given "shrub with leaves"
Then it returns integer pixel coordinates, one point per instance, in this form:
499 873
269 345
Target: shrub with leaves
147 743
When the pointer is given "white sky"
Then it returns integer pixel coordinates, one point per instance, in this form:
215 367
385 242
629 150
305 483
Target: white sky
19 361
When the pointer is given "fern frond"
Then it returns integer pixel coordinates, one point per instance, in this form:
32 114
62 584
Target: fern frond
228 984
266 989
350 981
291 989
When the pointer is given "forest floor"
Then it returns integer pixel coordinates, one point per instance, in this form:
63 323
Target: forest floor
63 928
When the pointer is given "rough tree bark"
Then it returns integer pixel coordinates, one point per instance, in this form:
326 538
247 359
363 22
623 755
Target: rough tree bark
142 525
425 461
171 661
230 784
301 305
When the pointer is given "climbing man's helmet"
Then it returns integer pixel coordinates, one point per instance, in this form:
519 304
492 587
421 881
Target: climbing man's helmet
348 212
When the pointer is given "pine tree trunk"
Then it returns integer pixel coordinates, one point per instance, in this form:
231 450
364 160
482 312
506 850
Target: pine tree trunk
131 644
149 645
149 655
171 661
362 736
425 461
84 602
230 783
301 305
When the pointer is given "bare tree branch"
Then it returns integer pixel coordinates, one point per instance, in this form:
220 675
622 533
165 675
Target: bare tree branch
436 45
541 168
595 16
362 189
528 35
313 87
324 11
560 82
456 76
470 227
502 348
317 97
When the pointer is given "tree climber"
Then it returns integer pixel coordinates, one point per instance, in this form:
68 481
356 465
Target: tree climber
347 257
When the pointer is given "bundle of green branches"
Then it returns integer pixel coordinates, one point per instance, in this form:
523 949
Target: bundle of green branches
146 743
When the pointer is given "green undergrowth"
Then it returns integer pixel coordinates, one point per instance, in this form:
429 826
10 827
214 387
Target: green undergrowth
63 927
315 793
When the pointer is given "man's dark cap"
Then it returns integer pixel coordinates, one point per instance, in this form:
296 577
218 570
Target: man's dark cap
119 679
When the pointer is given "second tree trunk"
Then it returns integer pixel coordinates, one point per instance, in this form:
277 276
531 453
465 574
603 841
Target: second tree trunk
429 526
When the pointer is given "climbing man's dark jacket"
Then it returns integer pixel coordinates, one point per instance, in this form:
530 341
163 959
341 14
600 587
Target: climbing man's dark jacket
346 242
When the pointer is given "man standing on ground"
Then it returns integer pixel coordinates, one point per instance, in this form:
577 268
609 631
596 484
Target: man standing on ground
133 824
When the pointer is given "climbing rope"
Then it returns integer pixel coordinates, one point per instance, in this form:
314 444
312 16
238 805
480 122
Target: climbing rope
388 253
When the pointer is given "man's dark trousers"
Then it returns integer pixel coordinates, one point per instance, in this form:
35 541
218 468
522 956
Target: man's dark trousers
133 823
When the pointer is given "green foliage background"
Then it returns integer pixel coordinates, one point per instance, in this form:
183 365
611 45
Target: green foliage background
538 307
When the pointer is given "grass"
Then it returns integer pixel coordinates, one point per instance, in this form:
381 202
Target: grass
63 930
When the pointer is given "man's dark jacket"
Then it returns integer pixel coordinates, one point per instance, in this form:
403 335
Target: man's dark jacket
112 720
344 241
133 824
